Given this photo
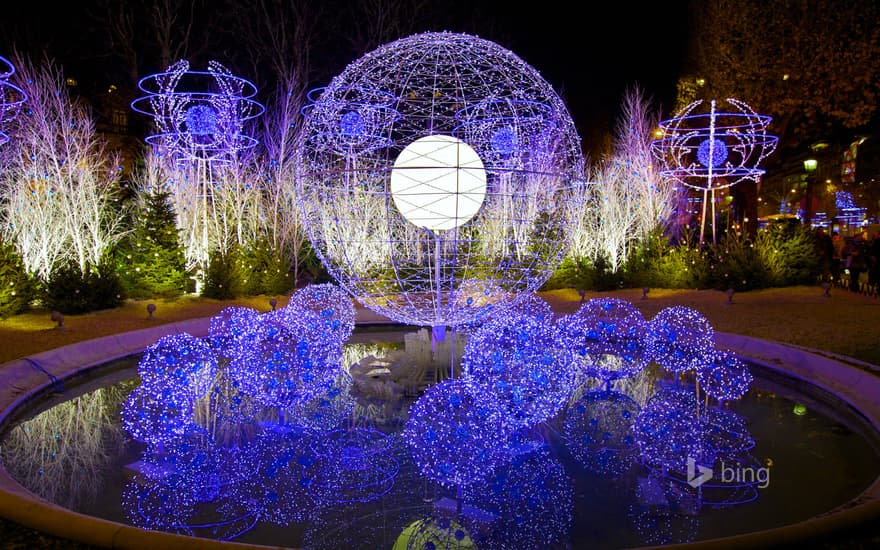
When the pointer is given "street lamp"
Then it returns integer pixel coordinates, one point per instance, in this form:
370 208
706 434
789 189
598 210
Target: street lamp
810 167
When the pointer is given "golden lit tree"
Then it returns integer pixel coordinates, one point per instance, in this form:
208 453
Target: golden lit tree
810 64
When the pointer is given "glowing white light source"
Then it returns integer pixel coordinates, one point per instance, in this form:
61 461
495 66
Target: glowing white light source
438 182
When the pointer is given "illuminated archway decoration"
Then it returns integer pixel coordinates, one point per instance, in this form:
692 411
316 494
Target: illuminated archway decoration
712 150
11 97
410 231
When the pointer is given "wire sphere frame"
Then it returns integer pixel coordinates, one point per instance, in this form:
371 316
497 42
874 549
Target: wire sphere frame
713 150
472 90
218 101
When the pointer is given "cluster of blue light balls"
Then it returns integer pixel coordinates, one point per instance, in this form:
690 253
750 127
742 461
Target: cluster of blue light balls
288 359
521 368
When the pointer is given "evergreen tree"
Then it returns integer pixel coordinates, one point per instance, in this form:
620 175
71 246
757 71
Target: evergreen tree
151 260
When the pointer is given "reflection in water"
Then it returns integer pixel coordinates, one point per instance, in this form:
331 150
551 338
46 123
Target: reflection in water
62 452
379 457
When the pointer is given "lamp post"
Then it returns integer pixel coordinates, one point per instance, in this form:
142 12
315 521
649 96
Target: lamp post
810 167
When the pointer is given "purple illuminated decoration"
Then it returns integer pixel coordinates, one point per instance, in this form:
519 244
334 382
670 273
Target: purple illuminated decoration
181 362
291 363
419 248
680 339
455 435
195 489
712 150
11 97
234 329
199 115
332 305
606 337
532 500
354 465
726 378
518 359
666 430
200 120
156 416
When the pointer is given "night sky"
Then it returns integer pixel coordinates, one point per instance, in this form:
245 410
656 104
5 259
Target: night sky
589 59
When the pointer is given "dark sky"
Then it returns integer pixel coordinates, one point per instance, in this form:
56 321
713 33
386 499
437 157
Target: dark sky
590 53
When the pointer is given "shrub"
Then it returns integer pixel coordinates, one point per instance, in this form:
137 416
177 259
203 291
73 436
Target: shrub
224 278
656 262
150 260
264 271
16 286
70 290
789 256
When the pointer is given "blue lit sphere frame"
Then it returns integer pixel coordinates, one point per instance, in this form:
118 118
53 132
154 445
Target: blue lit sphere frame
714 149
438 84
199 115
11 97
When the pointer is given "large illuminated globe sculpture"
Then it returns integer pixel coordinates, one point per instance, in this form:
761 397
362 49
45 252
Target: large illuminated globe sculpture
433 166
711 149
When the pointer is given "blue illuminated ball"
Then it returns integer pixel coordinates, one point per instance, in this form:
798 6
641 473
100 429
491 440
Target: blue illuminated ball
292 363
726 377
455 435
333 307
156 416
532 498
352 124
718 153
349 465
598 431
180 362
201 120
680 339
519 360
606 337
667 430
234 329
504 141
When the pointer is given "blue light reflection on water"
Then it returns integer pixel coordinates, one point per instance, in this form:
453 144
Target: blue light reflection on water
581 478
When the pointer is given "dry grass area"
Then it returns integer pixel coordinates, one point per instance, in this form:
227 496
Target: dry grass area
844 323
34 331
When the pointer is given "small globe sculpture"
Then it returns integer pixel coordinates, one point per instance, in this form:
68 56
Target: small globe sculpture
433 167
712 149
11 97
199 115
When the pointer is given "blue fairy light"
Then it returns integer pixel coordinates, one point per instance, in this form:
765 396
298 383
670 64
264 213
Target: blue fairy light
455 435
519 360
712 152
201 120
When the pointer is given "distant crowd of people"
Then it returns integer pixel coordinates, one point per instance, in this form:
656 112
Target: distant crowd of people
847 259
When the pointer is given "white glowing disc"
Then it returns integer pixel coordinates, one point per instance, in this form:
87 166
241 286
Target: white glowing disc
438 182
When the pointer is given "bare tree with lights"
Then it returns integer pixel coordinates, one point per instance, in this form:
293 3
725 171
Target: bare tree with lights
627 199
60 179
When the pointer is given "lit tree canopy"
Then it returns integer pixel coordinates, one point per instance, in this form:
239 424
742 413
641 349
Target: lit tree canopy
811 65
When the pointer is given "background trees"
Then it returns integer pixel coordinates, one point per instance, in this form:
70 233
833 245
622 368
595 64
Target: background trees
810 64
